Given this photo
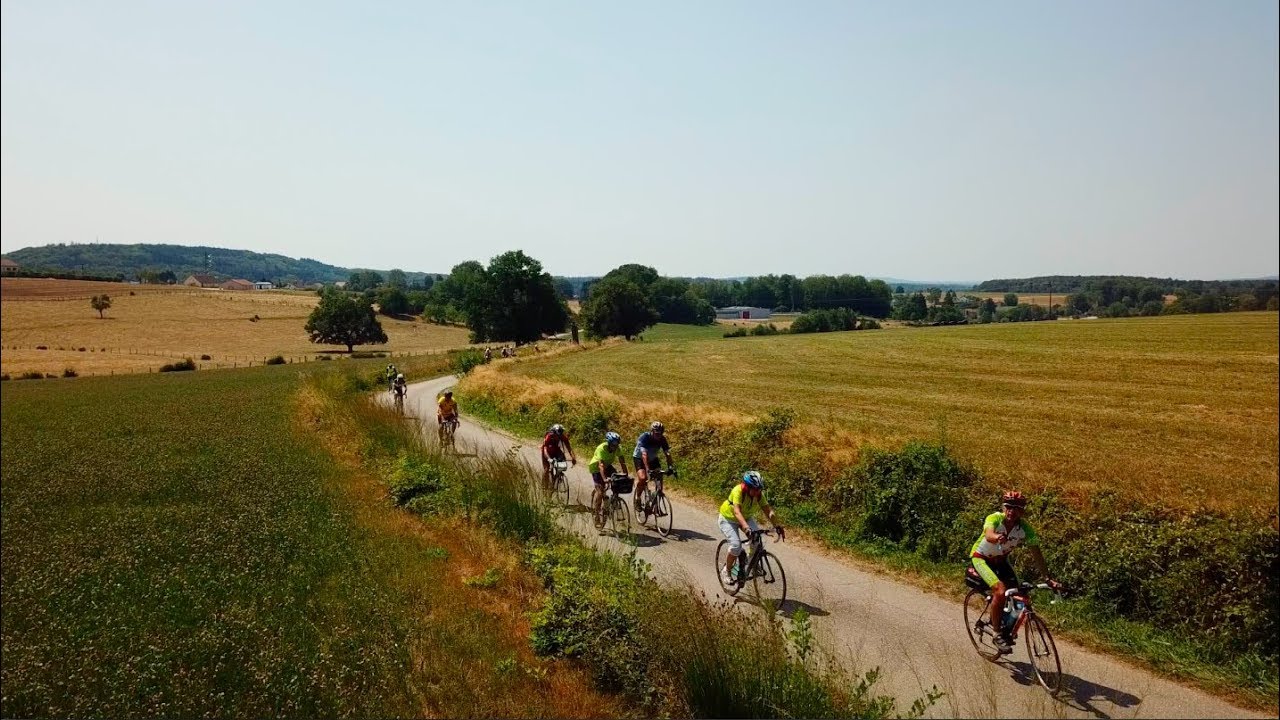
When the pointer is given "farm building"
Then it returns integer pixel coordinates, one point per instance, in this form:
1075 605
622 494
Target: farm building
742 312
201 281
263 285
9 267
236 285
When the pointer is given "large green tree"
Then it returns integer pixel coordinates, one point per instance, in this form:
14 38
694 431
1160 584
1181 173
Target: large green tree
342 319
617 307
512 299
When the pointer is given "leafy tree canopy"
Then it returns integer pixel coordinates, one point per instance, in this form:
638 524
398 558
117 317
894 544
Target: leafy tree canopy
342 319
617 307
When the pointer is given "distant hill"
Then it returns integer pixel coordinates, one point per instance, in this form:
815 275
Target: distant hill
1068 284
128 260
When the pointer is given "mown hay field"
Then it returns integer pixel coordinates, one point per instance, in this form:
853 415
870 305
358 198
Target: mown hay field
188 546
1180 408
160 324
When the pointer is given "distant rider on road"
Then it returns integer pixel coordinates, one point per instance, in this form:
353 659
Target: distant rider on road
645 456
1002 532
554 445
446 411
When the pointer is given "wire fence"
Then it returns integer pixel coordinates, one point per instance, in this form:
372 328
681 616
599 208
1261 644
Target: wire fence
207 361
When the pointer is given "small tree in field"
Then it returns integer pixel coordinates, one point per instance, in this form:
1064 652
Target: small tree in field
341 319
100 303
1010 300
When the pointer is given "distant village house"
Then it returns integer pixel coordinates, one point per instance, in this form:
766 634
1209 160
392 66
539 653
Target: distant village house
9 267
263 285
237 285
201 281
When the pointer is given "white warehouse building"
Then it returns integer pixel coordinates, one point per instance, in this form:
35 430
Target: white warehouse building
742 312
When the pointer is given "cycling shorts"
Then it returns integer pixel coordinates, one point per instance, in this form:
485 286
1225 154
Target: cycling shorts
996 570
595 475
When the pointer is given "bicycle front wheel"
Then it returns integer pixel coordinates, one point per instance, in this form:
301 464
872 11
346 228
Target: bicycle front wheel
1043 654
977 608
562 487
769 582
620 517
663 521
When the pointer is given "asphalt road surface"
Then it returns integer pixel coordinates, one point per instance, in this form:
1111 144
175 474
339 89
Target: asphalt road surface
917 639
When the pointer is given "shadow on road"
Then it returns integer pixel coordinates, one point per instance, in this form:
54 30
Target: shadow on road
790 607
687 535
1078 693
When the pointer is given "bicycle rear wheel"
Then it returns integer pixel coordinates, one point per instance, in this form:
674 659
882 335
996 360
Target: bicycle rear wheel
1042 653
769 582
663 521
977 608
722 553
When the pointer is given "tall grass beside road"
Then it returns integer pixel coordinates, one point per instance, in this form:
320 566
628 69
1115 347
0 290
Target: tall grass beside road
663 650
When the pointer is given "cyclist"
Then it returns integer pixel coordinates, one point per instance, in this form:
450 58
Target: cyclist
446 411
601 466
745 502
390 376
1002 532
645 456
554 445
398 386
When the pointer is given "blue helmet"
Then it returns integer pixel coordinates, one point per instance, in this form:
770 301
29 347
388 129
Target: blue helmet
753 479
612 437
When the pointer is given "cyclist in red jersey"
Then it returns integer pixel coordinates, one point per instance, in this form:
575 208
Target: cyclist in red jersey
554 445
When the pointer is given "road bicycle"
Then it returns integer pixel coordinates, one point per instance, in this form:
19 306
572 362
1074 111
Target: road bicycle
759 567
653 502
448 433
399 394
613 509
1018 617
559 485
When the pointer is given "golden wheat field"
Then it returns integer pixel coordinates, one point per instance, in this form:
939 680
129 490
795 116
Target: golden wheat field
1180 406
160 324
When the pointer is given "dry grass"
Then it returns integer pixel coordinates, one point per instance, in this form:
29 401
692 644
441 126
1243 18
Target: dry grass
1183 408
163 323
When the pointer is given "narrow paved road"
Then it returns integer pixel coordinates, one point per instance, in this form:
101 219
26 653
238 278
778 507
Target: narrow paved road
917 639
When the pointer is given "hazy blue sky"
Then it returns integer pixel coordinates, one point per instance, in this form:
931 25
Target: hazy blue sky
930 140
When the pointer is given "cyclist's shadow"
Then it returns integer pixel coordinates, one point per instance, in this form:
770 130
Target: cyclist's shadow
1078 693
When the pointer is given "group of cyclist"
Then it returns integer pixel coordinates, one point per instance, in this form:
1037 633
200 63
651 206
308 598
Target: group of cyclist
990 557
446 406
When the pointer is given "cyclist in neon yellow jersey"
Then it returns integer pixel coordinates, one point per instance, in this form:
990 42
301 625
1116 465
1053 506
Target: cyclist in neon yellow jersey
1002 532
601 466
740 510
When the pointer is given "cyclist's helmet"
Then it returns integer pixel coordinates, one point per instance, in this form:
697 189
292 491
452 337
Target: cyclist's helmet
1014 499
448 393
657 427
557 429
612 438
753 479
400 376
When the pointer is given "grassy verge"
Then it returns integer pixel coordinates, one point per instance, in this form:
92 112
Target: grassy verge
596 608
173 546
1140 573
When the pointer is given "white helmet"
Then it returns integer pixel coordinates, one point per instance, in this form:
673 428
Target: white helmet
400 376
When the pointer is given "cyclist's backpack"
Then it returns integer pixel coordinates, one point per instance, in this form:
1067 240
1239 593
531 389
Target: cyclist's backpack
973 579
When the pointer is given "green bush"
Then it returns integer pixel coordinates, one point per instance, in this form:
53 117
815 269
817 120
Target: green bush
180 366
4 376
740 332
69 373
465 361
205 357
31 375
277 360
365 354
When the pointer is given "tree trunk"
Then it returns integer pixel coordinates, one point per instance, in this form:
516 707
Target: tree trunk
350 347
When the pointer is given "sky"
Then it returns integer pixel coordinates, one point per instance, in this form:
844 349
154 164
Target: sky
924 140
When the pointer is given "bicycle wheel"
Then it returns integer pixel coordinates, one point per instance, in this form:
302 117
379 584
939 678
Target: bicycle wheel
769 582
620 517
663 521
1042 653
722 553
977 609
561 489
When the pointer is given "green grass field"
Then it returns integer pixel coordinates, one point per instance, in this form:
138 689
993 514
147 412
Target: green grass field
1183 408
178 546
